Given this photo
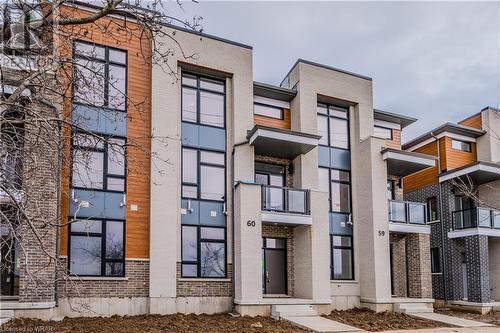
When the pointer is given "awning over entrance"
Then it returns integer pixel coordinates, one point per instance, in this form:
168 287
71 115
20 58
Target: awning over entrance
281 143
479 173
403 163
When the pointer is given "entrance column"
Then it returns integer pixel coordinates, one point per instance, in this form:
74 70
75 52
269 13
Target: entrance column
419 265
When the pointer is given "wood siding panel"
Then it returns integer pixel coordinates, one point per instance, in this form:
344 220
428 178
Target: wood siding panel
475 121
457 158
395 143
138 130
273 122
425 177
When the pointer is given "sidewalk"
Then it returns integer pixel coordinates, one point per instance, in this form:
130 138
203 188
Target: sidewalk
450 330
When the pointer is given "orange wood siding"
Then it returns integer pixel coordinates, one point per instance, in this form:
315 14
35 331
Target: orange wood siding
395 143
111 32
475 121
425 177
457 158
273 122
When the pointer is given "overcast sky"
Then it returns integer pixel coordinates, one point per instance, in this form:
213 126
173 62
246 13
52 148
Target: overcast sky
437 62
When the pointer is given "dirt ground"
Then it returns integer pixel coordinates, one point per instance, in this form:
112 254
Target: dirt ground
491 318
383 321
154 323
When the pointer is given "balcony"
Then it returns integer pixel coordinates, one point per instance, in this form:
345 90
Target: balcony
407 217
475 221
403 163
284 205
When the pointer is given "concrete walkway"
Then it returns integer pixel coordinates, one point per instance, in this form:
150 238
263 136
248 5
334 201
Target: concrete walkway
450 330
320 324
460 322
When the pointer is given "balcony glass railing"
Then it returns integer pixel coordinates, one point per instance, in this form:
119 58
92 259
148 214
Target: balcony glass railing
476 217
285 199
406 212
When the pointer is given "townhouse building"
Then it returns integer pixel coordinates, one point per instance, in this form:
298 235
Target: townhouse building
462 198
249 195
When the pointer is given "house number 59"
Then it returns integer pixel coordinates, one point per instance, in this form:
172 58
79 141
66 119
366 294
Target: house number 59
251 223
381 233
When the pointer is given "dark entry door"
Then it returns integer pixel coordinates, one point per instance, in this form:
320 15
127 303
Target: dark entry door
274 266
9 275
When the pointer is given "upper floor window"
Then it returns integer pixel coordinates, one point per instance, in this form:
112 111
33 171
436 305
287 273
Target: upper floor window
382 132
333 126
203 100
461 145
338 184
432 209
203 174
100 76
268 111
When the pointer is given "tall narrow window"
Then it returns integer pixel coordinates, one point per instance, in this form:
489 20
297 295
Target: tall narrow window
432 209
342 257
435 260
333 126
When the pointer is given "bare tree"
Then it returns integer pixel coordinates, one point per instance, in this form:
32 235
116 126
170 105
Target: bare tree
41 77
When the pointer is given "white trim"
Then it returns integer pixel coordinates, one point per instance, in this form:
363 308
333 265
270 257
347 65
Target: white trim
409 158
204 280
441 135
465 171
410 228
136 259
98 278
396 300
28 306
386 124
272 102
474 232
286 218
283 137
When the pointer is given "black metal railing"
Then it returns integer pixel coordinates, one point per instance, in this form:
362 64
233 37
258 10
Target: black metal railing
476 217
407 212
285 200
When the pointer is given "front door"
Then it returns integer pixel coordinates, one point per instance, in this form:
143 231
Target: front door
464 275
274 266
9 275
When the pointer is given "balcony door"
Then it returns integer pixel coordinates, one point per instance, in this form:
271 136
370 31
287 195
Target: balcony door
273 176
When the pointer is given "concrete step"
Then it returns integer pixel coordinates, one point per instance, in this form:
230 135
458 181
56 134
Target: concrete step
293 310
6 313
4 320
320 325
417 307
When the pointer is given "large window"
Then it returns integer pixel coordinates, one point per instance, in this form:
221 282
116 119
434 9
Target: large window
461 145
435 260
97 247
203 174
333 126
98 164
100 75
432 209
338 184
268 111
203 251
203 100
342 258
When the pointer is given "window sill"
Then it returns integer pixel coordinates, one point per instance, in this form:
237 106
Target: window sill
204 280
435 221
344 281
440 273
98 278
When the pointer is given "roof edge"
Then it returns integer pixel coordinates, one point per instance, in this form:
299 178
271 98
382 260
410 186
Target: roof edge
474 132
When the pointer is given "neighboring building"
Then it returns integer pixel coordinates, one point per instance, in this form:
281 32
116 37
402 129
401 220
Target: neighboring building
253 194
463 198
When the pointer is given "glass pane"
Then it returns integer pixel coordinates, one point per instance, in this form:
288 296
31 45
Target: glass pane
323 130
261 179
116 87
116 184
212 85
342 264
114 240
189 191
267 111
86 226
323 180
89 82
189 244
212 158
397 211
297 201
340 175
339 133
417 213
496 219
89 50
85 254
212 183
338 112
213 233
213 260
484 217
85 140
322 109
115 269
189 80
116 157
118 56
189 270
211 109
189 109
87 169
341 198
189 166
275 243
341 241
382 132
274 199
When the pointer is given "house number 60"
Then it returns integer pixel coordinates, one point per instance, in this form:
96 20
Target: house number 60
251 223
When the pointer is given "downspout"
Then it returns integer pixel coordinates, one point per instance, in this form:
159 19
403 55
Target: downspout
443 233
58 217
233 285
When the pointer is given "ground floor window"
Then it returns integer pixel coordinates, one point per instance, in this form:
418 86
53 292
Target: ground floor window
435 260
97 247
342 258
203 251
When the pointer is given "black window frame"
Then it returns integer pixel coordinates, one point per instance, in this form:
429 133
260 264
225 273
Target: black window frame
105 153
341 247
428 208
436 266
329 115
199 241
106 62
101 235
282 111
465 146
330 199
390 138
199 89
391 186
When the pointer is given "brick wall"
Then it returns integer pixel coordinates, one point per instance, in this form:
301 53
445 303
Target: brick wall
135 283
419 265
279 161
204 287
398 265
284 232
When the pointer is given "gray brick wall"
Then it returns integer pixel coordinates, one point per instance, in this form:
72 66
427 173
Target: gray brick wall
204 287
